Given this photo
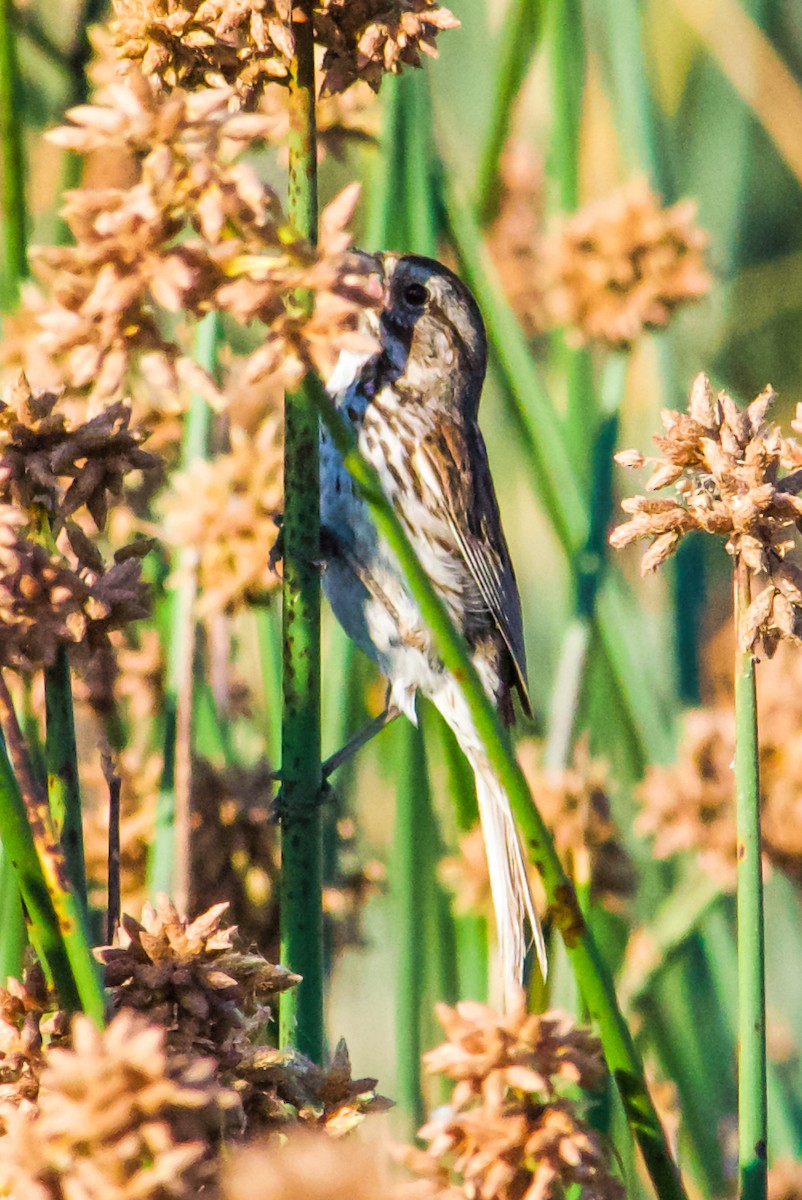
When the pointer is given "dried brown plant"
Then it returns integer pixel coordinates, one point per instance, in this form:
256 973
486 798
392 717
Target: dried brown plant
785 1180
624 264
209 43
57 479
515 240
28 1014
511 1131
192 979
309 1165
280 1088
726 465
117 1118
225 511
235 847
198 231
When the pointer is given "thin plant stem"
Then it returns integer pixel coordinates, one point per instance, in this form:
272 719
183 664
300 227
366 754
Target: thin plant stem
63 788
12 163
12 920
590 969
113 906
589 565
168 863
412 828
301 1009
518 40
752 1103
57 923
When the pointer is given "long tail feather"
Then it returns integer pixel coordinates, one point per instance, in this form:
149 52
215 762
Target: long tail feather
509 882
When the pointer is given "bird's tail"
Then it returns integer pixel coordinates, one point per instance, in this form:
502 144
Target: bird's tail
509 881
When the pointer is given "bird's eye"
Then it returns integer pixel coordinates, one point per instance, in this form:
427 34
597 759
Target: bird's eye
416 295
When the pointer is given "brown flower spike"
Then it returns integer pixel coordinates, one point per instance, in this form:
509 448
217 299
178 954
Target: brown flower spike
510 1133
725 464
623 265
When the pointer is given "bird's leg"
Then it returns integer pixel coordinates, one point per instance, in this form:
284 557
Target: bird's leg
360 739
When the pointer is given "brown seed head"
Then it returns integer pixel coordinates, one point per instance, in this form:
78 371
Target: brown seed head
735 476
623 265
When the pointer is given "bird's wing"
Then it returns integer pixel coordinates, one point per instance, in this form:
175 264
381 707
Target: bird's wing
457 456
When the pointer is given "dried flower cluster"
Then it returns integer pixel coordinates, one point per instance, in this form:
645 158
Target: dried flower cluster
576 807
197 231
191 978
212 43
57 478
690 806
510 1132
282 1088
515 240
116 1117
28 1014
623 265
725 464
225 511
234 846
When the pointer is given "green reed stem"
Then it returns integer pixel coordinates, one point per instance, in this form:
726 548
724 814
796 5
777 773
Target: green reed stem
752 1103
520 34
591 971
412 829
63 788
301 1010
589 568
56 919
12 163
168 863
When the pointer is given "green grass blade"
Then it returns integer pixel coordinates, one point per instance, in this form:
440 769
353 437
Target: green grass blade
56 920
12 164
63 788
518 41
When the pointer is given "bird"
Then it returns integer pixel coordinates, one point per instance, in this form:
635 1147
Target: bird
413 405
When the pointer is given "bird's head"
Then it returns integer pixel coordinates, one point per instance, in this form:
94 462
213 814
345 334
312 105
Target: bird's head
432 330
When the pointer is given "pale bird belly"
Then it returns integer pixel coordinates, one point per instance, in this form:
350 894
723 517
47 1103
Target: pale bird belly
377 611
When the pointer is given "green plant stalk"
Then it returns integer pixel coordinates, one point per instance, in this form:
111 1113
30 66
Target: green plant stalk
63 788
520 34
412 829
301 1009
589 569
12 921
12 163
163 869
752 1102
591 971
56 921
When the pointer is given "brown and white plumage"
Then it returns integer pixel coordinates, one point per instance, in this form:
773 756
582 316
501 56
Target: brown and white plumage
414 406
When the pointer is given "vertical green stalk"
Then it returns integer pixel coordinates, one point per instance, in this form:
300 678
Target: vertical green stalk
520 33
589 568
301 1011
752 1104
168 863
63 789
57 926
12 163
412 831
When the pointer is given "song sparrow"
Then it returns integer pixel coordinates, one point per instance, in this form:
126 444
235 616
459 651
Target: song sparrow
414 406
